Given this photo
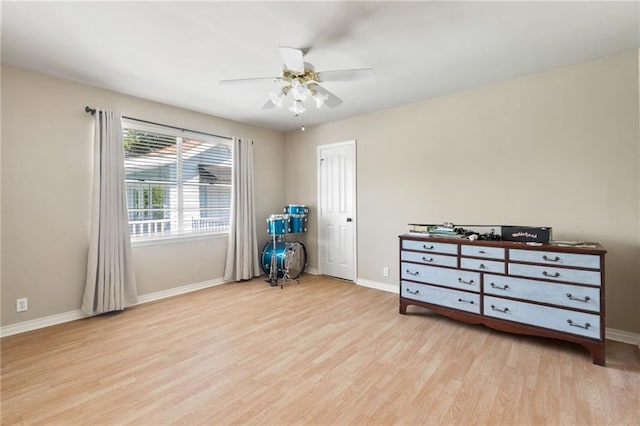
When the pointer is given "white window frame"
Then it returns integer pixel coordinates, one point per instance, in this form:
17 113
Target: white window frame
181 235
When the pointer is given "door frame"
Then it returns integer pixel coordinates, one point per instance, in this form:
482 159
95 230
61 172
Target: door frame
354 164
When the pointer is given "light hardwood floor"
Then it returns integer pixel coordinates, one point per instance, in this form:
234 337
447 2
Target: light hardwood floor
322 352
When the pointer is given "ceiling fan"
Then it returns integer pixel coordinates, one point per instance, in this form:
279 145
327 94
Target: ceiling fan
302 83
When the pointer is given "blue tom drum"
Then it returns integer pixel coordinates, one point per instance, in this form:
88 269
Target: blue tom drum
296 209
298 223
278 224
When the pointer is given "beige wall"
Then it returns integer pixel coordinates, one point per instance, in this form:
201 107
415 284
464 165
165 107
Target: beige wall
46 172
559 149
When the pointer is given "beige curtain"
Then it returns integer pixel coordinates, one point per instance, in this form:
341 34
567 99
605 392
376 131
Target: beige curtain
242 250
110 283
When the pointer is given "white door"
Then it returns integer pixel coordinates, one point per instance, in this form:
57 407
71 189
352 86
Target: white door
337 210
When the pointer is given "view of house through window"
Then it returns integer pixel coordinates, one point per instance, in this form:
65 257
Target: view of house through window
177 183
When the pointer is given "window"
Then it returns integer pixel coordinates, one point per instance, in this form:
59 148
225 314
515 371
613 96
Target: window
177 183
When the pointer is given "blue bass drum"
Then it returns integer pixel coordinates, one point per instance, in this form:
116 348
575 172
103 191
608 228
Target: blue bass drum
289 258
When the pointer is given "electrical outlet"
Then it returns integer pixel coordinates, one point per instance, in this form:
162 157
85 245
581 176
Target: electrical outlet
385 271
22 304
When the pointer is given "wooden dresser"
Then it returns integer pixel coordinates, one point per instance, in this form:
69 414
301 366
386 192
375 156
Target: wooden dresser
542 290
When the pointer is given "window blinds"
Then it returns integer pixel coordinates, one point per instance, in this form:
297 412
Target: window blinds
177 183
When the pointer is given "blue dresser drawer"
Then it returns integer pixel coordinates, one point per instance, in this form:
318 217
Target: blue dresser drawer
430 247
558 319
570 296
591 261
462 300
482 251
482 265
556 274
429 258
465 280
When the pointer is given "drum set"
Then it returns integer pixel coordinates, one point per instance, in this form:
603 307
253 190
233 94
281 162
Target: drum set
285 260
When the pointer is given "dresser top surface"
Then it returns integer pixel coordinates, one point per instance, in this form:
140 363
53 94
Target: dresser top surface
586 248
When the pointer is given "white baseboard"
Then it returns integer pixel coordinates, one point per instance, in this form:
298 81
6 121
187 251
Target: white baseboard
34 324
188 288
312 271
22 327
622 336
391 288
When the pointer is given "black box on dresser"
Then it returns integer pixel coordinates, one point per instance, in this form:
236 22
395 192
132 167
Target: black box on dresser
526 234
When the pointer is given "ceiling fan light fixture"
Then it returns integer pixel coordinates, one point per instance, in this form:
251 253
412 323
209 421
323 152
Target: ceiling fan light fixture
297 108
300 91
320 98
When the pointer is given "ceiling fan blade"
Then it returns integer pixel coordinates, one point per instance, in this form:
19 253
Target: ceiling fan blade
347 75
269 105
292 58
247 80
332 100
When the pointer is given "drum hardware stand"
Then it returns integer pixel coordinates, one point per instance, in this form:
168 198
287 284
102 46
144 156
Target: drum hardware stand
273 271
286 278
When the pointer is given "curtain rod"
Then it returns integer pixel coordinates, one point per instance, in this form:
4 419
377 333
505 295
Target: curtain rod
92 111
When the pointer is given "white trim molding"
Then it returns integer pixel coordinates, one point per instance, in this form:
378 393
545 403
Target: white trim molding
35 324
390 288
312 271
622 336
188 288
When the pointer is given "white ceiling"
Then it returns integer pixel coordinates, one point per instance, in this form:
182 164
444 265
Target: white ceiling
176 52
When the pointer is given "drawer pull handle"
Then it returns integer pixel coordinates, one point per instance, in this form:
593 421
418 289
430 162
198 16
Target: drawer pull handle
555 275
413 273
482 266
585 299
505 310
470 282
481 251
424 259
426 247
555 259
585 326
412 292
465 301
506 286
